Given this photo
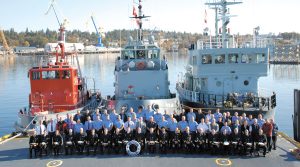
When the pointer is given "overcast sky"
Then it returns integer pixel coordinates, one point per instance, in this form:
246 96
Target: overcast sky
171 15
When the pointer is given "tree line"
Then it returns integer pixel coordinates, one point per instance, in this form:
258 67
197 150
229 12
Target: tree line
167 38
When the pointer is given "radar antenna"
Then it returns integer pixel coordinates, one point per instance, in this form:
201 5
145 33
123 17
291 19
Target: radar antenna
222 13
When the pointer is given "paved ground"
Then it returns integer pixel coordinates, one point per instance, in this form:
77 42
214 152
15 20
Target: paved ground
15 154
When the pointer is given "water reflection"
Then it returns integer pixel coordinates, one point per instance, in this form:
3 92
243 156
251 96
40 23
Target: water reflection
286 72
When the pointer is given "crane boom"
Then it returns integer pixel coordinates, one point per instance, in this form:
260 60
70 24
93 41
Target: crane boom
99 44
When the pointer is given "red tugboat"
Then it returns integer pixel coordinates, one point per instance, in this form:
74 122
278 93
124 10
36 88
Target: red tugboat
57 88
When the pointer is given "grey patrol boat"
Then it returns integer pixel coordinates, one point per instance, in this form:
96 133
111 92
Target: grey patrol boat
223 72
141 75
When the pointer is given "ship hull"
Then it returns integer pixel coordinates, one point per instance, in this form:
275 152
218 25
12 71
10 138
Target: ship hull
26 120
169 105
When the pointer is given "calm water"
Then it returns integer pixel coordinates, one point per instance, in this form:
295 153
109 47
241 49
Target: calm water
14 84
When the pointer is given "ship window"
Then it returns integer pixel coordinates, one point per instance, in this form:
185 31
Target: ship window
246 82
141 54
246 58
261 58
233 58
66 74
35 75
220 59
153 54
128 54
50 74
206 59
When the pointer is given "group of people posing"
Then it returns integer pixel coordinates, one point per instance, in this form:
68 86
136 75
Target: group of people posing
191 131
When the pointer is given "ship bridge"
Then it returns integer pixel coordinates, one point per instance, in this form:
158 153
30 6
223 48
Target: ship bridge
141 72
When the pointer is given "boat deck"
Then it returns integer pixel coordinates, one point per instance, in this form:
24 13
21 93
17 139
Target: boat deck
15 153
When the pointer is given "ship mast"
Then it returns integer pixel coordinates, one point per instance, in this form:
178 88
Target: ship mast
139 18
222 13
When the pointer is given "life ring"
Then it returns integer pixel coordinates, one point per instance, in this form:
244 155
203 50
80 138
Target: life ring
133 148
140 65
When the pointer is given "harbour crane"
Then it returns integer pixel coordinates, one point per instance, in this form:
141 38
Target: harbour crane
99 34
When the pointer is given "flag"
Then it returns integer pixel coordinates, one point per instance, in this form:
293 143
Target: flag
134 12
135 15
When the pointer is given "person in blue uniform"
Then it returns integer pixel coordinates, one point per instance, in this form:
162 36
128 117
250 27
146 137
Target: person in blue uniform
162 123
182 124
91 142
33 144
69 142
57 143
140 113
98 125
78 126
193 127
113 115
119 124
190 114
108 124
79 141
157 116
217 114
96 114
226 127
78 116
149 113
104 115
88 125
130 112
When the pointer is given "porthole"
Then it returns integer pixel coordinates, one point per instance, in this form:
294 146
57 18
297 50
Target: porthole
246 82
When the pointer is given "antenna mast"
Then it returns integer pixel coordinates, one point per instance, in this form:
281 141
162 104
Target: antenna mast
139 18
222 13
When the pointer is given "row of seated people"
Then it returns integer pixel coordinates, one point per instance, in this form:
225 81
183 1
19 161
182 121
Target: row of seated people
154 140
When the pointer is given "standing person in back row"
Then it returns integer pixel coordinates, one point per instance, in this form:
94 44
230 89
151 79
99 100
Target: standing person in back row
268 128
274 133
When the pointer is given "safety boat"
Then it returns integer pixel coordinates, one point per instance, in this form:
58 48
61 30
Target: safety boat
56 87
222 73
141 75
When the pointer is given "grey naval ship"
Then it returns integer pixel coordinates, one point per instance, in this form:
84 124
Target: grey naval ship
141 80
141 76
223 72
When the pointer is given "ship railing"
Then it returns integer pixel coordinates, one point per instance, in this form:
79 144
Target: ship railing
232 100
